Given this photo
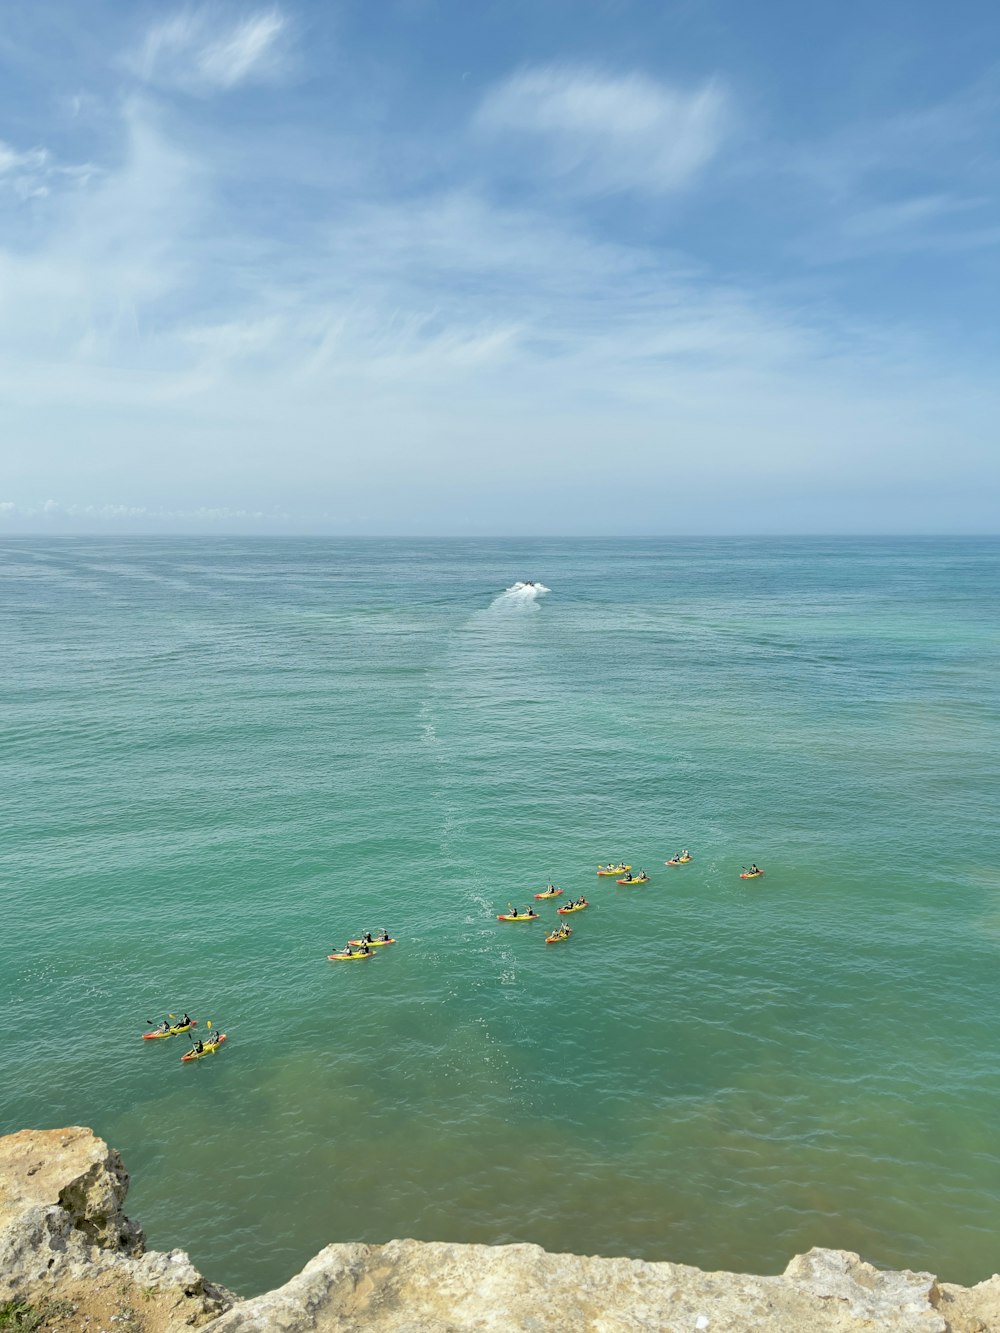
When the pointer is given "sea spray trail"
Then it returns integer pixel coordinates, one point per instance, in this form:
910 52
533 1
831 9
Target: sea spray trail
520 596
478 671
226 756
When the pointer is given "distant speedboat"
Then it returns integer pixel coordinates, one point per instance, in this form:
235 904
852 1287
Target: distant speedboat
527 585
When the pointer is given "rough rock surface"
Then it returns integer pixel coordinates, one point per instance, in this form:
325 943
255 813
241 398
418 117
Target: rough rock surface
413 1287
67 1247
68 1252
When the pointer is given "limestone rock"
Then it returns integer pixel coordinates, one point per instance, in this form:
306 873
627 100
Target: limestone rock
64 1238
68 1250
77 1171
414 1287
971 1309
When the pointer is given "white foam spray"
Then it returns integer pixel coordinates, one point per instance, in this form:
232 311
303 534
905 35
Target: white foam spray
521 594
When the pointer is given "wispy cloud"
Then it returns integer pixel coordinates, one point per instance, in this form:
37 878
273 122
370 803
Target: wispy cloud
56 514
920 179
31 173
201 51
605 133
160 351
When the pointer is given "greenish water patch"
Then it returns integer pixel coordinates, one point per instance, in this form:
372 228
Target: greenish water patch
224 757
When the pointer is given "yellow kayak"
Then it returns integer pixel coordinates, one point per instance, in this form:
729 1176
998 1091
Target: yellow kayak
756 874
172 1032
506 916
372 944
577 907
549 893
612 870
638 880
209 1048
558 935
678 861
347 957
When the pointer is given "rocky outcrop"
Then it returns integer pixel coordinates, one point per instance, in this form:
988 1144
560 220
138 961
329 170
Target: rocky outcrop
71 1260
413 1287
66 1246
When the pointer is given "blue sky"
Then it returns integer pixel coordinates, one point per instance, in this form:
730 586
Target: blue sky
568 266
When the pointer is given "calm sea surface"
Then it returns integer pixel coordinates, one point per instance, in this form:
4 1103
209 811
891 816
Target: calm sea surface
223 757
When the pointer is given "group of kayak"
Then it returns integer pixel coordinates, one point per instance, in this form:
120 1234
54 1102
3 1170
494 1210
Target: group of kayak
364 947
173 1026
562 932
620 871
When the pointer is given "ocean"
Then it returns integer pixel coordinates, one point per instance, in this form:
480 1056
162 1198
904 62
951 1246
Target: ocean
223 757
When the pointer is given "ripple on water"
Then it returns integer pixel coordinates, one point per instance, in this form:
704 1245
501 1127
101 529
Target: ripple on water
227 757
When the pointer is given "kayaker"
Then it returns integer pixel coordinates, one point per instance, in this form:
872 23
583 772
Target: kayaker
364 949
165 1025
199 1047
366 938
754 870
185 1022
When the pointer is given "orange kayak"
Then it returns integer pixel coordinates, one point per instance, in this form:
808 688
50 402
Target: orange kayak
549 893
747 875
372 944
577 907
558 935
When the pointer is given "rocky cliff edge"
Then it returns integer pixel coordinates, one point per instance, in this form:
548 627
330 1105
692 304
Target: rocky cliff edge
70 1260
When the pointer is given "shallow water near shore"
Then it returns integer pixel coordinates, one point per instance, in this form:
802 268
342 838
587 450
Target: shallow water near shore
225 756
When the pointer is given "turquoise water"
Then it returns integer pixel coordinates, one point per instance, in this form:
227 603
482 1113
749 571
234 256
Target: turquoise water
224 756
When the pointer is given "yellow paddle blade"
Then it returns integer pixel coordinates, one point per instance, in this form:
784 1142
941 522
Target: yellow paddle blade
171 1015
209 1023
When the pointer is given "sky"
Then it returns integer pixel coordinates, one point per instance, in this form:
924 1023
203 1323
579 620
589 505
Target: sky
499 267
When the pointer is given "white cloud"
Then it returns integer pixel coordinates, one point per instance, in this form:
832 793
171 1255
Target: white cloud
604 133
33 173
155 351
56 512
195 52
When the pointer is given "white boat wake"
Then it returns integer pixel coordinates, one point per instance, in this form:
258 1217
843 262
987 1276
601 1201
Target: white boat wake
520 596
526 590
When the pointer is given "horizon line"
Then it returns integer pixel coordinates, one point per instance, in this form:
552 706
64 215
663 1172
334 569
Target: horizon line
500 536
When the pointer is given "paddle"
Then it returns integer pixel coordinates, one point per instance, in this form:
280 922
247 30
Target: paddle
150 1023
191 1039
